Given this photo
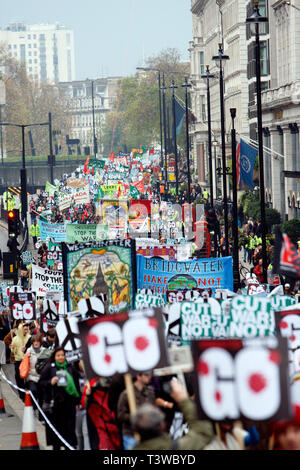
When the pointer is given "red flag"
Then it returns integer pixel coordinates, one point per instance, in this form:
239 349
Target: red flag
286 257
112 156
85 169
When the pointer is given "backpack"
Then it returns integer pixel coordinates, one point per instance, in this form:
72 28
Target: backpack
42 360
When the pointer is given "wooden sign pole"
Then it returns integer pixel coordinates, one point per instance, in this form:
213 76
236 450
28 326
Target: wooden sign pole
131 398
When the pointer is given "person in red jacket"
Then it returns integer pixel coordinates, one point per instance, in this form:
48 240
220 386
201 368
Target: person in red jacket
258 270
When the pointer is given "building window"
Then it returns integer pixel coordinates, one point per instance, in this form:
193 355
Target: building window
264 63
201 62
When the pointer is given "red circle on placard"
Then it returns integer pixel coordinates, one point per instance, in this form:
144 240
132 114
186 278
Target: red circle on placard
257 382
107 358
203 368
92 339
283 325
141 343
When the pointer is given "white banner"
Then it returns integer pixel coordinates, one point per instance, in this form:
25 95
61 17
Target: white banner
82 196
44 280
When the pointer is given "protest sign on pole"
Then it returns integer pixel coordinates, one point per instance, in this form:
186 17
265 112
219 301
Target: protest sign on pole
22 306
44 280
288 326
129 342
238 379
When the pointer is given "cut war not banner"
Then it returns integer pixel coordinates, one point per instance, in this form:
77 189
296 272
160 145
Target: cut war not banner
44 280
129 342
161 275
240 317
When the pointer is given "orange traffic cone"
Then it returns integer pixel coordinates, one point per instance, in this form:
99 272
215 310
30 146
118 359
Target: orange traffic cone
2 408
29 436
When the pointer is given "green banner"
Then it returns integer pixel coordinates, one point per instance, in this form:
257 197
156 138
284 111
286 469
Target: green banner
50 188
80 233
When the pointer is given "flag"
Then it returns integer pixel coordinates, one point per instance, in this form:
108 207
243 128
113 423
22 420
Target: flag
85 169
179 115
286 257
246 156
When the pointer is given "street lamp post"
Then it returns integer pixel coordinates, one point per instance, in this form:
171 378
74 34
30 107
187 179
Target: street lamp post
186 85
173 86
220 58
235 230
214 144
94 127
207 75
256 19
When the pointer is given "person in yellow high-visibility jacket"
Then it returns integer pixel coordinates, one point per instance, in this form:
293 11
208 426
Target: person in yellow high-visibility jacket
34 231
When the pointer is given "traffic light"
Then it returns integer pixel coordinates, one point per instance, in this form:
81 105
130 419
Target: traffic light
13 223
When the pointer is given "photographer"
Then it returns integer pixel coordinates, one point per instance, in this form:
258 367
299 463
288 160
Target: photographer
59 383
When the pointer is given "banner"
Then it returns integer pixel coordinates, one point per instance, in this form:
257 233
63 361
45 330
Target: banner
106 267
51 189
142 300
55 231
115 215
82 196
286 257
75 182
22 305
238 379
64 201
43 281
288 326
240 317
246 156
139 216
129 342
160 275
81 233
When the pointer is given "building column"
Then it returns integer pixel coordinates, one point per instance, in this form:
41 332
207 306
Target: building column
288 165
277 167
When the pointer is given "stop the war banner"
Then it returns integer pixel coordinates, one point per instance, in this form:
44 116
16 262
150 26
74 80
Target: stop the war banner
44 280
131 342
56 231
78 233
238 379
161 275
106 267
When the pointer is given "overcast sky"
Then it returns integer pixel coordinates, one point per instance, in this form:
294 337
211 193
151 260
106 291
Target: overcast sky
111 36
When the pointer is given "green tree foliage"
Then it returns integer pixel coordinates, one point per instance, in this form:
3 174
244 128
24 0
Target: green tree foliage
292 229
135 119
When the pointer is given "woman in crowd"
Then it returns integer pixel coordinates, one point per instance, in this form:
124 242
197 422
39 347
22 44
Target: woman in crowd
59 383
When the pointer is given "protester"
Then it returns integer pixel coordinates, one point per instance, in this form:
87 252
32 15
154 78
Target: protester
18 348
144 393
149 423
59 383
31 381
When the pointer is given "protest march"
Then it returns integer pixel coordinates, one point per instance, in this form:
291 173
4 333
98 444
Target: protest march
127 315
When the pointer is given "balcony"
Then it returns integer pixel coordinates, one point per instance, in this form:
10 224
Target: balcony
281 96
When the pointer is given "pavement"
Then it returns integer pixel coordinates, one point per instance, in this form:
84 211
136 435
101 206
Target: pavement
11 423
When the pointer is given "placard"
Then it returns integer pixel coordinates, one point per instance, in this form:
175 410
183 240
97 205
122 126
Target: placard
69 338
22 306
130 342
237 379
288 326
44 280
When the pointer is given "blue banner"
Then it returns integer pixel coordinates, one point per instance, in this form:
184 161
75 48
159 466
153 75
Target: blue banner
246 156
55 231
161 275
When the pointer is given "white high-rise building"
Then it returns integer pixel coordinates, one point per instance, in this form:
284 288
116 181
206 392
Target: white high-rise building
47 50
